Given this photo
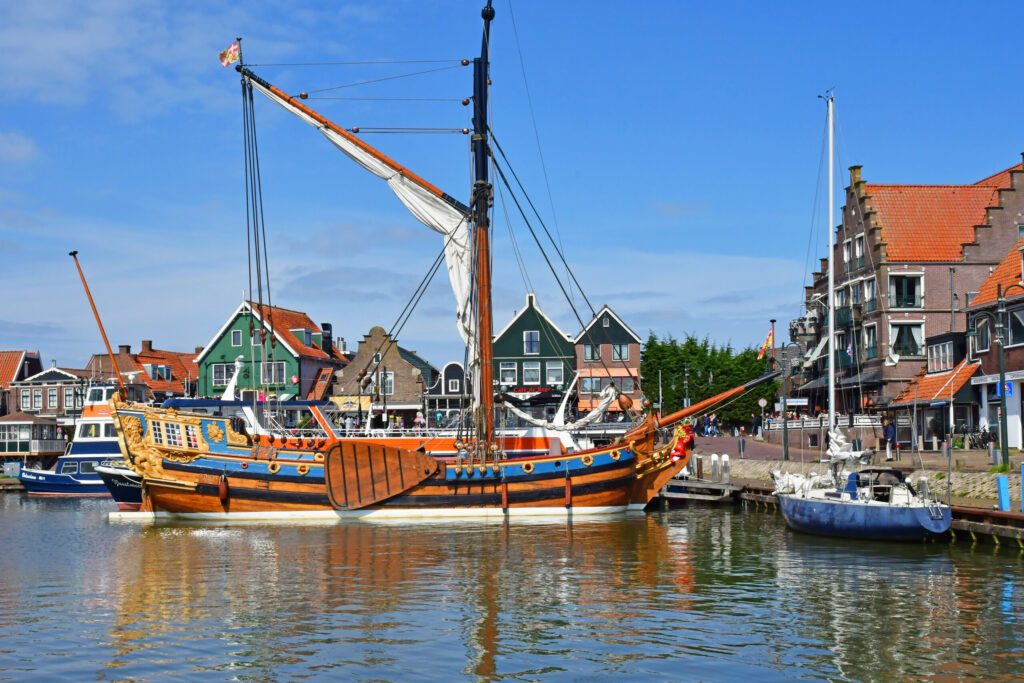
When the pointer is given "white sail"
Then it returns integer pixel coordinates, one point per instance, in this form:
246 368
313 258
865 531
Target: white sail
431 209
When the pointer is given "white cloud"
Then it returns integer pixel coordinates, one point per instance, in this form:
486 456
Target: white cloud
16 148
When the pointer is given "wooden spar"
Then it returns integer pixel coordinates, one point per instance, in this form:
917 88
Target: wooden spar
482 194
373 151
654 423
99 323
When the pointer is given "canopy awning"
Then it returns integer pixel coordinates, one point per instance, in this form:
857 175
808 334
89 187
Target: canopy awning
815 384
611 371
868 376
816 353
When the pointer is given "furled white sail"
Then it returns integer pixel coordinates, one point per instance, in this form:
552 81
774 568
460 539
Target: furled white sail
608 394
434 211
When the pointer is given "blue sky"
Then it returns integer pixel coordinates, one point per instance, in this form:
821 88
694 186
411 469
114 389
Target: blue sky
682 145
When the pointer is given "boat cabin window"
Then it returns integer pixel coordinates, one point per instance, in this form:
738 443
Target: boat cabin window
86 467
69 468
89 430
108 431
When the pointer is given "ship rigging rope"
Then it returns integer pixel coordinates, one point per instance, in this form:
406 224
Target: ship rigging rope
256 244
362 62
572 306
561 255
385 78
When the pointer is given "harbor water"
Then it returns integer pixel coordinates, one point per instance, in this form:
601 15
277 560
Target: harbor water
692 594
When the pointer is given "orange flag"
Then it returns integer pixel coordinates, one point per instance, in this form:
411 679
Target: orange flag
230 55
768 343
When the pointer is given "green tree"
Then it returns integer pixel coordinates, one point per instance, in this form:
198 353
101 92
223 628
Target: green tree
711 369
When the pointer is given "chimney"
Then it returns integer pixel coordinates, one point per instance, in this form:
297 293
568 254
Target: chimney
147 346
124 350
326 338
342 346
199 350
854 175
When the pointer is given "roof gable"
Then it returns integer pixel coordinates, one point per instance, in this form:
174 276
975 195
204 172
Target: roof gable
615 320
52 375
10 365
531 305
281 321
1002 179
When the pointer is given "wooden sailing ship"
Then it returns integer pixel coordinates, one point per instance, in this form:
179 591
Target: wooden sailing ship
205 466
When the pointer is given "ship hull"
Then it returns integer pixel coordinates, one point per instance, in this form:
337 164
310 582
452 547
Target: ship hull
846 519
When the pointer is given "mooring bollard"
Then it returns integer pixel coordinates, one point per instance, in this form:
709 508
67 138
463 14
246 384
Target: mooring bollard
741 445
699 466
725 468
716 468
1022 487
1003 486
993 458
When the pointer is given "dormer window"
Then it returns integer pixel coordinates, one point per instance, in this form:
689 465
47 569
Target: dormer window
940 357
606 322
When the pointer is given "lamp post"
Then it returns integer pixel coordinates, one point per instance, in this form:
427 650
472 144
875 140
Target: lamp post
785 410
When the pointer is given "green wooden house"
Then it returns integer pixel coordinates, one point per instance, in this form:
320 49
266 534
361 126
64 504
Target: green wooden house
534 361
301 364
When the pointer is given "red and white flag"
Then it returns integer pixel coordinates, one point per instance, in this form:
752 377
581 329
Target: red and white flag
230 55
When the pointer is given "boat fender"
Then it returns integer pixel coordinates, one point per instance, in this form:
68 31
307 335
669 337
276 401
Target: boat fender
616 455
222 489
318 457
528 467
588 460
274 467
303 469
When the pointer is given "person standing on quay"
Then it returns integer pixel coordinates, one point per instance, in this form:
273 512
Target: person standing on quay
889 434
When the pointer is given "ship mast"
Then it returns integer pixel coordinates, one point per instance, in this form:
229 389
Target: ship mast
482 196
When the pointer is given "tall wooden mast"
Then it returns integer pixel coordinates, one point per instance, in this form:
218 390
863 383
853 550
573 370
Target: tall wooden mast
482 198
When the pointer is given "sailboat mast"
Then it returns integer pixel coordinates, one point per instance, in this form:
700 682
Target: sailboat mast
830 103
482 194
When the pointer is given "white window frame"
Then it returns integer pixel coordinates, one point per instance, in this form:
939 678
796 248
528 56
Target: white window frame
454 386
531 365
891 291
620 346
37 399
559 368
526 351
236 335
69 398
26 399
858 246
906 323
874 328
847 250
592 357
226 374
606 322
273 366
52 397
978 324
505 366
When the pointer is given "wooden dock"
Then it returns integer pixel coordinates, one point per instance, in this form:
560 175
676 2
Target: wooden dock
10 484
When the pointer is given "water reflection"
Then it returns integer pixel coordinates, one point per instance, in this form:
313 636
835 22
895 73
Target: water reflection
698 593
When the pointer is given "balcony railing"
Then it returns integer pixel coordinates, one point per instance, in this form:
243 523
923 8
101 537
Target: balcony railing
871 352
907 301
908 350
843 316
860 261
870 305
846 266
843 359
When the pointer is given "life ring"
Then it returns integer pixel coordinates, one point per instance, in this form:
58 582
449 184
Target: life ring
318 457
528 467
303 469
587 460
274 467
616 455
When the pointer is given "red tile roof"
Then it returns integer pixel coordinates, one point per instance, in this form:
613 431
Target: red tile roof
1007 273
10 364
182 368
929 222
284 320
1001 179
937 386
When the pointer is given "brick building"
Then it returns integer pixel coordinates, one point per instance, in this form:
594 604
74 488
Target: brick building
909 260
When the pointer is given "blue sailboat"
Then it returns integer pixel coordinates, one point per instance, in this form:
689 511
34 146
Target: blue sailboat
873 503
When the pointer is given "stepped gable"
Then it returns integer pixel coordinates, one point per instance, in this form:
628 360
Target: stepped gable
1007 273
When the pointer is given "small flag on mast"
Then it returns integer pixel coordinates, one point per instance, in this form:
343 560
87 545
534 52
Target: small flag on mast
768 343
230 55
